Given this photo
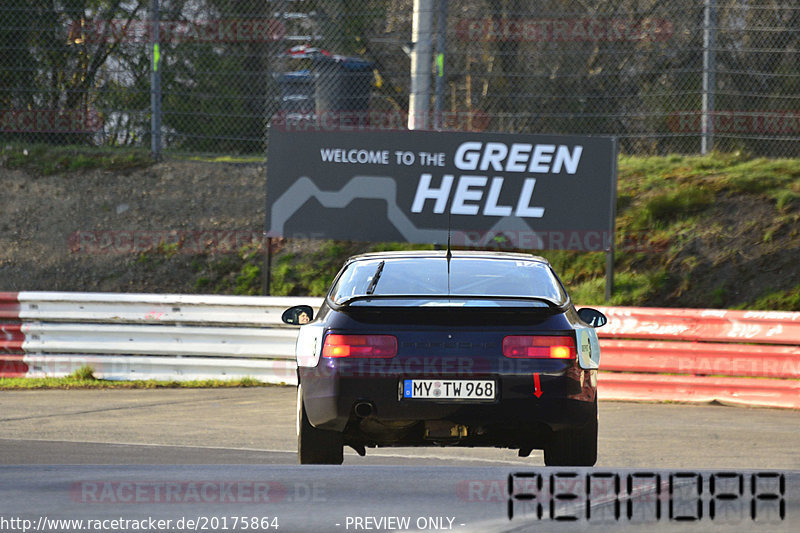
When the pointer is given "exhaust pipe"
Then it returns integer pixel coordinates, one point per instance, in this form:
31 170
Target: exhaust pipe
364 409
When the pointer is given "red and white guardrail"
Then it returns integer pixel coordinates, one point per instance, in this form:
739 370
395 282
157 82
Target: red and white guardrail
12 357
690 355
147 336
701 355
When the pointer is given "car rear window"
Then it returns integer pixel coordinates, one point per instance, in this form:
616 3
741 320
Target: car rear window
428 277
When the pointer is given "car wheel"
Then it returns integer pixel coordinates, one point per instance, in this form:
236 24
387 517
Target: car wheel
574 447
316 446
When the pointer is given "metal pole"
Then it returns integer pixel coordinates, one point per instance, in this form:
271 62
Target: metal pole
612 224
267 276
421 29
609 273
441 47
709 75
155 82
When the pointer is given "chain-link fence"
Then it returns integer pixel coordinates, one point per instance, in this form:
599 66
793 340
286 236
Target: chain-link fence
665 76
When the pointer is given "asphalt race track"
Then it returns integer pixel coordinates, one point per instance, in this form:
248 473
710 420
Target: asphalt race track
157 454
257 425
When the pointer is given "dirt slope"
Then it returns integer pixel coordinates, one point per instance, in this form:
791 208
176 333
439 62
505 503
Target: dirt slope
99 230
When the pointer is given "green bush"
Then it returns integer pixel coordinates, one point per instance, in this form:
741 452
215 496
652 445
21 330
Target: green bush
84 373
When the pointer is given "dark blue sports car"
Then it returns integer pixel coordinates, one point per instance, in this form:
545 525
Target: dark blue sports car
440 348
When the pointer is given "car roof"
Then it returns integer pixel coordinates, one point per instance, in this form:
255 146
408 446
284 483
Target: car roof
441 254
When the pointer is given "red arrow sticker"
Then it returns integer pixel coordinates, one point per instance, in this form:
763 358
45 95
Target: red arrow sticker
537 387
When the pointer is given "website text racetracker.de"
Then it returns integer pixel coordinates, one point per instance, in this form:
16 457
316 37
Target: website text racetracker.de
198 523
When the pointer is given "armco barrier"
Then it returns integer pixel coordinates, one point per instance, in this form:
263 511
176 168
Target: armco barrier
701 355
691 355
715 325
127 367
159 339
12 358
148 336
663 387
9 306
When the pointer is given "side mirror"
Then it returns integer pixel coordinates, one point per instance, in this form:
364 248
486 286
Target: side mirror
298 315
593 317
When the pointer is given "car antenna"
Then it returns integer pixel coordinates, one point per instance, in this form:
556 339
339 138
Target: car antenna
449 254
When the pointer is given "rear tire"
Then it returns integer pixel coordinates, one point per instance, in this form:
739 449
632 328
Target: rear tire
573 447
316 446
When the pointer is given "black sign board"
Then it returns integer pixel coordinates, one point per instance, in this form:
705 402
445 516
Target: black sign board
522 191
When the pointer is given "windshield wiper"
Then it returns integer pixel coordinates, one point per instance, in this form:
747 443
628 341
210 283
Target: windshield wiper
375 277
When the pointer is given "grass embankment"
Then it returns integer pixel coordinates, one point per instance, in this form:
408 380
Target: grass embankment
720 231
84 378
712 231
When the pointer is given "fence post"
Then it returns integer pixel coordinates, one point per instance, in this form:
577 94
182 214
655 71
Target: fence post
709 75
266 282
419 99
155 82
441 47
612 224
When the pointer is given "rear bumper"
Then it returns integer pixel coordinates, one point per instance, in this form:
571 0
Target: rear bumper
333 389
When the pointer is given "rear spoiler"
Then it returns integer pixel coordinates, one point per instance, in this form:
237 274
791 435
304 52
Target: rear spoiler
450 300
446 310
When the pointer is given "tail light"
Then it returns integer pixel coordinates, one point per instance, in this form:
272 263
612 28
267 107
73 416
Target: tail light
539 346
359 346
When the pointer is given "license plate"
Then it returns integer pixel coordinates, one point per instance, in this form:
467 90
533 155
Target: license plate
449 389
